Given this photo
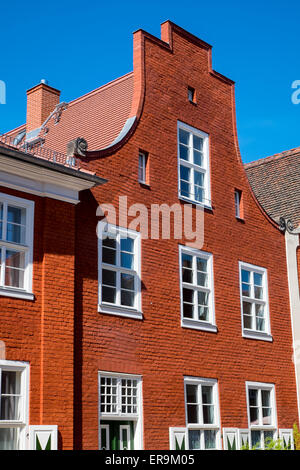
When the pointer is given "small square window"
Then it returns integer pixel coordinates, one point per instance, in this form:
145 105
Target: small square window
191 94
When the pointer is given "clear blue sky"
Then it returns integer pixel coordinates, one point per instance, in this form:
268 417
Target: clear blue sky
78 46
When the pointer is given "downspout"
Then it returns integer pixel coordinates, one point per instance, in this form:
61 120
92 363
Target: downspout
292 244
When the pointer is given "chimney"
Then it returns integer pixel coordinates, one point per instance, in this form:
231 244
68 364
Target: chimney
41 101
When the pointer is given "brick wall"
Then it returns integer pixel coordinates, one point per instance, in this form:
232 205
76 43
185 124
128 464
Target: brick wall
41 331
157 347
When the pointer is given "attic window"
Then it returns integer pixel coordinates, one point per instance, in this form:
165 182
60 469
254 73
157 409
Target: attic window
191 94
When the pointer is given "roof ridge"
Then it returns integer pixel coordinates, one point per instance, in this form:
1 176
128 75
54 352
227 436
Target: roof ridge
102 87
276 156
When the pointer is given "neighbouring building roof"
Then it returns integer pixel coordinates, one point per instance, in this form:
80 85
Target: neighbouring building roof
275 181
98 117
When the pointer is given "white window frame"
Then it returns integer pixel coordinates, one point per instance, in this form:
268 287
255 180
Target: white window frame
118 309
27 247
205 169
199 381
22 424
137 418
253 333
209 325
262 427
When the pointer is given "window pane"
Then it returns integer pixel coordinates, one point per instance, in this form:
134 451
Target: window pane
260 324
183 152
192 393
203 313
259 310
15 233
199 194
267 416
109 242
208 414
253 397
127 298
188 310
127 260
245 276
127 281
187 276
245 290
109 294
202 279
184 137
266 398
10 382
258 292
193 415
258 279
188 295
16 215
10 408
108 256
142 167
127 244
210 439
185 189
203 298
14 269
247 309
9 438
202 264
254 416
194 439
198 178
268 435
15 259
184 173
197 158
207 395
187 261
197 143
108 277
255 439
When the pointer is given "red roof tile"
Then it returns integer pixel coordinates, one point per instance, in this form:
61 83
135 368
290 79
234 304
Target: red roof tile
275 181
98 116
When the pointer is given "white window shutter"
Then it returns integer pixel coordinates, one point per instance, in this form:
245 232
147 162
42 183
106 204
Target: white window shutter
230 438
287 436
178 438
43 437
243 439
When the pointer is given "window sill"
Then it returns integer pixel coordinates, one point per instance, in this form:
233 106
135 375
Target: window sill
16 293
240 219
144 185
258 335
196 203
199 325
120 311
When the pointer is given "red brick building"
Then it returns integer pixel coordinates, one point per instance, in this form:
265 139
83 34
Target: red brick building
170 341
